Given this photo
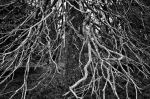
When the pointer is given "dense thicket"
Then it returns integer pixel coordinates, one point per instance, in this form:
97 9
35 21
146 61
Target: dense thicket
95 44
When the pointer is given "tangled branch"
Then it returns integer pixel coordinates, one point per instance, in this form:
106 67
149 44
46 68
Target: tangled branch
115 48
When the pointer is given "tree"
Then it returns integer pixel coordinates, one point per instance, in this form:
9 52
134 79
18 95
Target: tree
106 39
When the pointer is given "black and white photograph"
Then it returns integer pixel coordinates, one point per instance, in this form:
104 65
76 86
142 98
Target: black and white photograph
74 49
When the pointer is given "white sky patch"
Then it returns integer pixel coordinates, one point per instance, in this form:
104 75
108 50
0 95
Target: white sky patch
110 20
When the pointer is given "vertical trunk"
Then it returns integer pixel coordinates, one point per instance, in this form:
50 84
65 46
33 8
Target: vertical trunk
72 53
